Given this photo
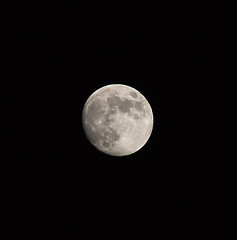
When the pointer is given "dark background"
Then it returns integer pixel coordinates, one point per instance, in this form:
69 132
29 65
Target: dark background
182 182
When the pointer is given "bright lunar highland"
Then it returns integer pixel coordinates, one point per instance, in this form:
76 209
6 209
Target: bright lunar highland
117 120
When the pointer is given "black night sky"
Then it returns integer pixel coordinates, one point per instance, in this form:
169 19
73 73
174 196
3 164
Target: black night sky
54 182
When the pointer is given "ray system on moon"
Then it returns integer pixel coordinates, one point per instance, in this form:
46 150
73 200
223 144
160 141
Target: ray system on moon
117 120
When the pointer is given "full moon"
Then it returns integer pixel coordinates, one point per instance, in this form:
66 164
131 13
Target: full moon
117 120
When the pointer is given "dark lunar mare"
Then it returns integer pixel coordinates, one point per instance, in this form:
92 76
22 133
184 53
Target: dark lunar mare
113 101
110 137
133 94
123 105
138 106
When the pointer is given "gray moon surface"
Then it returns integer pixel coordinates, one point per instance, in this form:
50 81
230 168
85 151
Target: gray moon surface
117 120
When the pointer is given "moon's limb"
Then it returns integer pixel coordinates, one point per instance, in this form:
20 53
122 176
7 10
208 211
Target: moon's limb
117 119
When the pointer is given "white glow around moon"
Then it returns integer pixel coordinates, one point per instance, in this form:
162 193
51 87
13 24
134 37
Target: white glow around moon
117 120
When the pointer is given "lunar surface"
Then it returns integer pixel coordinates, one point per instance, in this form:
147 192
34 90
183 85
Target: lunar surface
117 120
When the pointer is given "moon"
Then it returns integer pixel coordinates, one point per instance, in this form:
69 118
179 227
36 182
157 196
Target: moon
117 120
